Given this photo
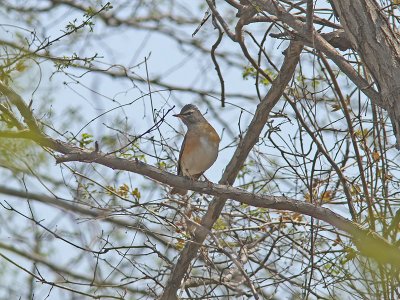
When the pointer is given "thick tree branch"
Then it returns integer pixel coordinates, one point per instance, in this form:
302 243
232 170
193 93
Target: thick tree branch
378 44
23 109
338 39
369 243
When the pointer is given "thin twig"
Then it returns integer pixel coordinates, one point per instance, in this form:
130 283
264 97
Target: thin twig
216 65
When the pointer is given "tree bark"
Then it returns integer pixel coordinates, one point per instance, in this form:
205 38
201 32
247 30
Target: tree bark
378 45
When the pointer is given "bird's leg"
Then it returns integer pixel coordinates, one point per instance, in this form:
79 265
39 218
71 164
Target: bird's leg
188 175
209 183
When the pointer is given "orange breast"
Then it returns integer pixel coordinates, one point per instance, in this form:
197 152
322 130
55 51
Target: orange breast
210 131
200 150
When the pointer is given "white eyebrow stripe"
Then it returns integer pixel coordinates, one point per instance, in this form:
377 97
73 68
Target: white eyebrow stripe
189 111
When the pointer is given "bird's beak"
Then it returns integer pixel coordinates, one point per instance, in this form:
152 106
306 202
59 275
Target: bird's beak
178 116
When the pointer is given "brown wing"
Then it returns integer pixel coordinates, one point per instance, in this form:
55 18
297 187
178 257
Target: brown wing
179 191
192 139
179 169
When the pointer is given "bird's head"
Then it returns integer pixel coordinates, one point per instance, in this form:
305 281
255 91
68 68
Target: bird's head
190 115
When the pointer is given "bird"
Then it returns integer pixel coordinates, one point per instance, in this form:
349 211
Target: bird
199 148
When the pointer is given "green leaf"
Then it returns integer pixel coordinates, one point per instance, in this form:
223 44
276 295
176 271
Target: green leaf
85 140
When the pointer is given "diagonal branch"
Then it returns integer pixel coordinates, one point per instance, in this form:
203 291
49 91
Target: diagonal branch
242 151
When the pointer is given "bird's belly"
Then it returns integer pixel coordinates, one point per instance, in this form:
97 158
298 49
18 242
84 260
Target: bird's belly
201 158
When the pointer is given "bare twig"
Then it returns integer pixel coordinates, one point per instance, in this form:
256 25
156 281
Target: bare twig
221 20
216 65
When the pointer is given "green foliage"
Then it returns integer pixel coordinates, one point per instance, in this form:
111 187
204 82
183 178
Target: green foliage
250 72
136 194
258 212
220 224
133 152
85 140
89 14
13 65
162 165
313 82
333 269
180 244
351 254
17 154
74 61
124 191
245 169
